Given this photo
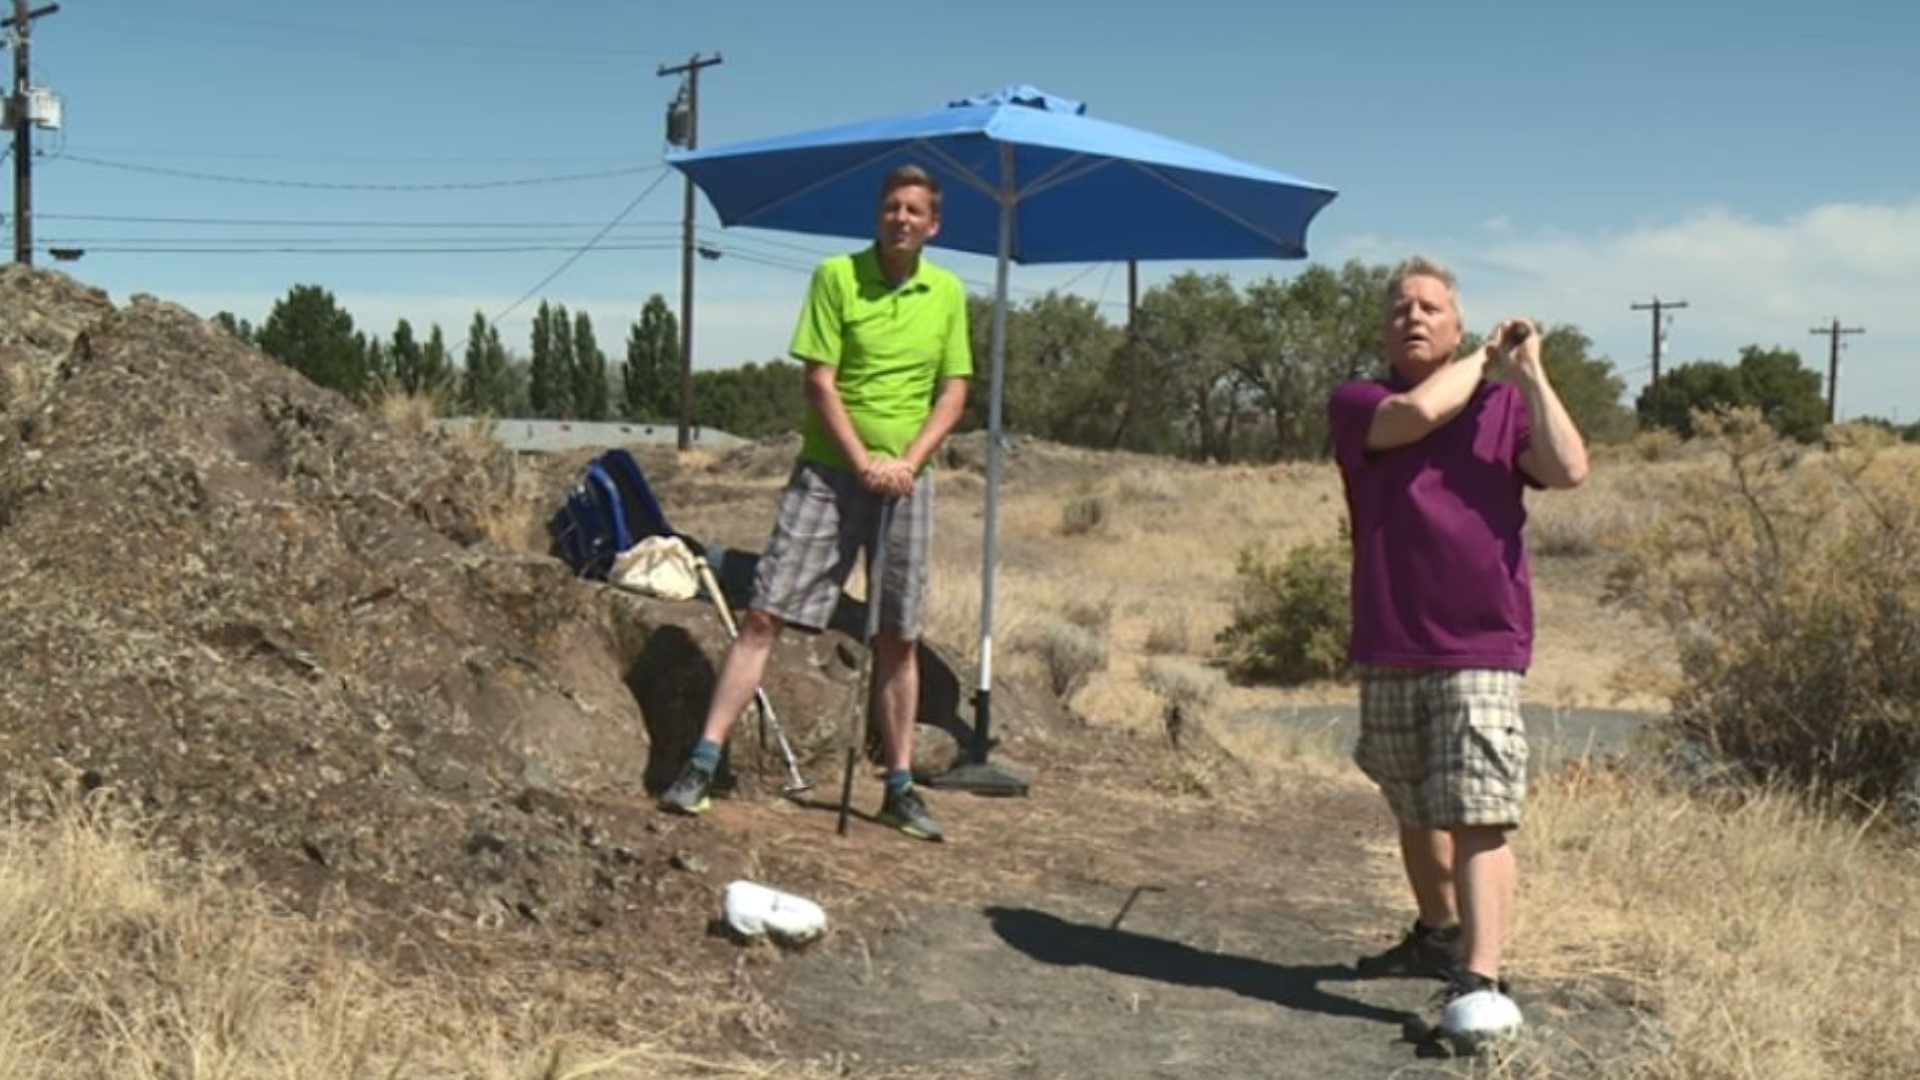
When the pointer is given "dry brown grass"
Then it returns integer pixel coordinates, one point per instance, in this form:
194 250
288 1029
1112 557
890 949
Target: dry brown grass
1772 941
121 962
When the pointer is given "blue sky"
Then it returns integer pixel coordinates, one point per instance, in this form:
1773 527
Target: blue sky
1760 160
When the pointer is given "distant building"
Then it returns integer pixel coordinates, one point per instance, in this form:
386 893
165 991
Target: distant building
556 436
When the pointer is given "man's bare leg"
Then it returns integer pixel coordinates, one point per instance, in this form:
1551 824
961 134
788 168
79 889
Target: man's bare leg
1488 876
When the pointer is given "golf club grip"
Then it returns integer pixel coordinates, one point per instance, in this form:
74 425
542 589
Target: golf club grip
1517 333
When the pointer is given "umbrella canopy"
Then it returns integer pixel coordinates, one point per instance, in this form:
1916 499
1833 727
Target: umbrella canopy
1079 189
1027 177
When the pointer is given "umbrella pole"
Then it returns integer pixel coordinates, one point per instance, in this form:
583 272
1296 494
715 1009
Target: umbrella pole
973 773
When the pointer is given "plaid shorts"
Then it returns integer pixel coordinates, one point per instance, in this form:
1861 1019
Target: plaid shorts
1448 748
825 521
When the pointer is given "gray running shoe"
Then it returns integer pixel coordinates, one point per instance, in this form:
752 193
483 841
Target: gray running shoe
688 792
904 810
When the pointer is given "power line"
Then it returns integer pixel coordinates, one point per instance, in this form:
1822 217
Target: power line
345 223
584 248
471 185
226 17
388 159
518 249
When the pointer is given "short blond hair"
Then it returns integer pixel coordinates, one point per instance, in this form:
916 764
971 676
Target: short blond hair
911 176
1420 266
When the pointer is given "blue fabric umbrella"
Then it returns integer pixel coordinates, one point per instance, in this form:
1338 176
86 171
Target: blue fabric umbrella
1028 178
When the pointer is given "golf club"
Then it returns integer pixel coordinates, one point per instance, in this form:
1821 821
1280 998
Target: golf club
796 783
857 726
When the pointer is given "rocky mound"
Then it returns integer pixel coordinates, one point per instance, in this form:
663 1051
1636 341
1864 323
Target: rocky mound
271 622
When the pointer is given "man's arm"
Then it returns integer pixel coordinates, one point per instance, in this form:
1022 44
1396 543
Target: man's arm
1413 414
823 397
947 407
1556 455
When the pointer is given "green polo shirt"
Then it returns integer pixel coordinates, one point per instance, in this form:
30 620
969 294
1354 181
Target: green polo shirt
892 347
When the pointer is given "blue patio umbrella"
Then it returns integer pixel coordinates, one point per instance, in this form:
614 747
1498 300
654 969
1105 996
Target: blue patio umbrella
1028 178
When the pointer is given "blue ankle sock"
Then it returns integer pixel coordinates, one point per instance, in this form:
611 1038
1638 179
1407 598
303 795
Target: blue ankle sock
706 756
899 780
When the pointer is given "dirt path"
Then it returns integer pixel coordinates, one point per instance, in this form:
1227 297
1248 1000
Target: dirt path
1105 928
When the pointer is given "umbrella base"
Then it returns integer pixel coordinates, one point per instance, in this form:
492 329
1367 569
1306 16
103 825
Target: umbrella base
979 778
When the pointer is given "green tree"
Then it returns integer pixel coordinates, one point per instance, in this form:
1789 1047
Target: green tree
560 347
589 371
1300 340
1787 394
549 380
1058 353
309 332
232 324
436 367
1772 381
652 368
488 387
408 359
753 401
377 366
1192 325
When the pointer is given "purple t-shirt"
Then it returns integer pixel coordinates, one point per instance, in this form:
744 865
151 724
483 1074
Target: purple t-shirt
1440 576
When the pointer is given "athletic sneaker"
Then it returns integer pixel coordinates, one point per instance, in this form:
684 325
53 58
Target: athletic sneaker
904 810
1424 1026
688 792
1424 953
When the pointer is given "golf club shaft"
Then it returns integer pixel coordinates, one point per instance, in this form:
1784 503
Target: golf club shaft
876 583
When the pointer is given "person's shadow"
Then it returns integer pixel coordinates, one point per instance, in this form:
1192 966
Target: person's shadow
1053 940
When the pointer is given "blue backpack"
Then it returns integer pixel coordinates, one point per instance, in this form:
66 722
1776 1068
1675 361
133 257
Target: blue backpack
611 509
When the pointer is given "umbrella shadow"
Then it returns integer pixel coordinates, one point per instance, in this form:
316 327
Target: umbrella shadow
1053 940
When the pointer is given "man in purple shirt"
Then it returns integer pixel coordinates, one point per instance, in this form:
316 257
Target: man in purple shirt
1435 460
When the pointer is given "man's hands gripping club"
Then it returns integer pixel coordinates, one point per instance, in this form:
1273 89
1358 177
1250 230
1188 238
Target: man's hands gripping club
887 476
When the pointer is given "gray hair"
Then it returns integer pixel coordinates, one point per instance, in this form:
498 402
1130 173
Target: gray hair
1420 266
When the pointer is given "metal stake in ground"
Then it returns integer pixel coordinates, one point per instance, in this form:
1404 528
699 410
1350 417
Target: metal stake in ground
857 724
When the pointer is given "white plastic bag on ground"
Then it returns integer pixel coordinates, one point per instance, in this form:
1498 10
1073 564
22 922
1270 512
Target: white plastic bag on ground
752 909
660 566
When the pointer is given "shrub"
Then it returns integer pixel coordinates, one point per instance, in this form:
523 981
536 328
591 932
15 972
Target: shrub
1291 619
1788 581
1083 514
1071 653
1169 636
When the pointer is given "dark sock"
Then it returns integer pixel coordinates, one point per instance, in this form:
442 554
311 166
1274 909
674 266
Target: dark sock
706 756
899 780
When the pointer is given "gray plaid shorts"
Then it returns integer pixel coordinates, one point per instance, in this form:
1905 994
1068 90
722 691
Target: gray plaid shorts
1447 747
825 521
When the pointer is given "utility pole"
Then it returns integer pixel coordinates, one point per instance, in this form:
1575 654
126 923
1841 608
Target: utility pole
1658 306
19 28
1833 360
683 130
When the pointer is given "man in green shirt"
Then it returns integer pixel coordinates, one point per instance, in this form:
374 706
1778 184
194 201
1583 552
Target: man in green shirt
883 335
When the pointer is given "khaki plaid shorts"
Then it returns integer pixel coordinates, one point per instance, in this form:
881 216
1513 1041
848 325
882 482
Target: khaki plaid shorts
1447 747
825 521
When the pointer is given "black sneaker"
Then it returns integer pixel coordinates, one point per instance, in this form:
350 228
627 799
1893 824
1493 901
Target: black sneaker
1424 1026
688 792
904 810
1424 953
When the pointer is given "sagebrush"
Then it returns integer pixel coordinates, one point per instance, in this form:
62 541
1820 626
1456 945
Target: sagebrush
1787 579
